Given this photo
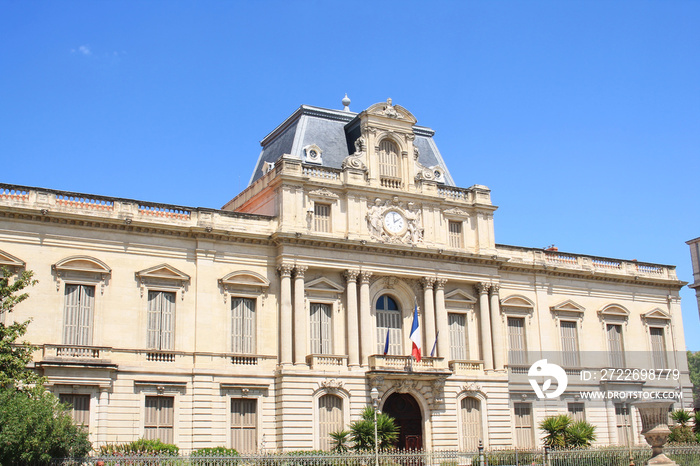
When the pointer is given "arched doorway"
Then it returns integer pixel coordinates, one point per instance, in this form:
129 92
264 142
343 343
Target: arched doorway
405 409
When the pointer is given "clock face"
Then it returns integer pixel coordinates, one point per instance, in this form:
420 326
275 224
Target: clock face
394 222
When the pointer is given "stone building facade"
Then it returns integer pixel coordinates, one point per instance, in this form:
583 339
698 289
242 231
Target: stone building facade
263 325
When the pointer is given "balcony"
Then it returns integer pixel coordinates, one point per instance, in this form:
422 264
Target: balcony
326 361
466 367
76 355
392 363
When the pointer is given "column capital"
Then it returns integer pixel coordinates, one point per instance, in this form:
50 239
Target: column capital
365 276
351 274
483 287
285 269
299 271
427 282
495 287
440 283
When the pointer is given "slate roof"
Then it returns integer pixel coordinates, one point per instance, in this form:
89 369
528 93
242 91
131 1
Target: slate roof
327 129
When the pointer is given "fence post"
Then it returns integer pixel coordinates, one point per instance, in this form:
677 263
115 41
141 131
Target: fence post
481 453
546 455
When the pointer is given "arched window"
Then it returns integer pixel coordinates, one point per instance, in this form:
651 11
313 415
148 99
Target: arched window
388 321
471 422
330 419
389 160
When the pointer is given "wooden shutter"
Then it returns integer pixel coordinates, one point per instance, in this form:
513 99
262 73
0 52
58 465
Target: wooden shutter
471 423
330 413
388 319
388 160
161 320
243 325
622 419
78 315
322 217
320 322
516 341
523 424
615 348
569 343
658 347
159 418
154 304
80 408
244 437
455 234
576 411
458 337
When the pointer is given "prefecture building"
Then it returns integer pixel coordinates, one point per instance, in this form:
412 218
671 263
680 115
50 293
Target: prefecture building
263 325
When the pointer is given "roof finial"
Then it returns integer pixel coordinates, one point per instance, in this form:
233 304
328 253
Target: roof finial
346 103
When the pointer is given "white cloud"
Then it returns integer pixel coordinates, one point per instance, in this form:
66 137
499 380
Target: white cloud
85 50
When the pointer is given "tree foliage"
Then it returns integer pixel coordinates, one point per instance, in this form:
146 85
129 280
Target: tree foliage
142 446
35 427
14 356
563 432
362 430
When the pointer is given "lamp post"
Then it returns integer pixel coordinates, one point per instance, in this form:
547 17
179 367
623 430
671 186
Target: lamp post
374 394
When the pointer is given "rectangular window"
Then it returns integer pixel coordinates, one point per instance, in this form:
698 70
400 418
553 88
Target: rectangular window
320 323
330 419
516 341
244 434
243 325
569 343
80 408
159 418
622 420
576 411
161 317
458 337
77 315
523 424
471 422
322 217
658 347
456 240
615 348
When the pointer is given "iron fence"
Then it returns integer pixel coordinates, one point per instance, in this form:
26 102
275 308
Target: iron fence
604 456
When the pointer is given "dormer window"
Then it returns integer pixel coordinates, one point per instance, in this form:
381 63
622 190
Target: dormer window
389 164
312 154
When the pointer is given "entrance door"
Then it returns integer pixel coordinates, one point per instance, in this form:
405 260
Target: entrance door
404 408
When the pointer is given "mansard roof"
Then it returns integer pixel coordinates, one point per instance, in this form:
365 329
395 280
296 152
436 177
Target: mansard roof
331 131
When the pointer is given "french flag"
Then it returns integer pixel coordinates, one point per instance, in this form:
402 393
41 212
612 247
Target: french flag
415 335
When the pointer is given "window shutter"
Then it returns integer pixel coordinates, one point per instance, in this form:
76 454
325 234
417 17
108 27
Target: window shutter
244 425
516 340
154 303
86 305
243 325
615 345
471 422
330 410
458 339
70 318
315 333
569 343
658 347
167 321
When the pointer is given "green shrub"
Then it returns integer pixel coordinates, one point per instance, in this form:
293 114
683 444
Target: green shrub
222 452
140 447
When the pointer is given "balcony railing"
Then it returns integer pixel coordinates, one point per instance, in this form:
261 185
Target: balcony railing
466 366
404 363
75 352
326 361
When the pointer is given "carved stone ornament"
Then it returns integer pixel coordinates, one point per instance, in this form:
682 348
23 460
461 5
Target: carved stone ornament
455 212
376 382
471 387
424 173
353 161
390 111
404 385
412 233
323 192
332 385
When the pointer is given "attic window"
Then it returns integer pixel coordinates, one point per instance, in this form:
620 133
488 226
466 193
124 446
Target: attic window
312 154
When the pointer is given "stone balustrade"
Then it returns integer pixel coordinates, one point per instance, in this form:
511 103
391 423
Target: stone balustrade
466 367
317 361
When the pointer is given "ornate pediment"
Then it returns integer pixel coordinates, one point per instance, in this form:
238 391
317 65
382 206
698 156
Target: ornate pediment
323 193
323 285
614 312
82 264
389 110
163 272
656 314
568 307
459 299
8 260
455 212
244 278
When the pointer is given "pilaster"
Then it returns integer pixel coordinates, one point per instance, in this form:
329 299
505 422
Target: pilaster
285 271
485 324
300 317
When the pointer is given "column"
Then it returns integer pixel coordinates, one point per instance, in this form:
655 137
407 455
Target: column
353 338
485 324
499 355
366 325
429 314
102 406
300 316
285 321
443 336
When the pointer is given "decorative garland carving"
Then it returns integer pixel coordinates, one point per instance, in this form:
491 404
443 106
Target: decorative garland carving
413 233
323 192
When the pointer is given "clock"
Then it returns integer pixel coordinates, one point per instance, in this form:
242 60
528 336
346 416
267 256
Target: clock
394 222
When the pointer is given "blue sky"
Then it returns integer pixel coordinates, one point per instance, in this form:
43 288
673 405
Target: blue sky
582 117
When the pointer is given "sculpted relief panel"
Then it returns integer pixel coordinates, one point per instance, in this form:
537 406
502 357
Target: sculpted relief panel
392 222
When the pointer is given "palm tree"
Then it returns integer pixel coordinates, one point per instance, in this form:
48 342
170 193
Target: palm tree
362 430
555 429
696 423
681 416
580 434
341 438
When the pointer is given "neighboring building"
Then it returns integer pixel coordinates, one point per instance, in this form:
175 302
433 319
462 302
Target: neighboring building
262 326
695 257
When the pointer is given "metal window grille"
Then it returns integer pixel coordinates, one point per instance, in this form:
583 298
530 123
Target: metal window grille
330 414
471 422
458 336
389 160
576 411
244 421
615 348
78 314
388 320
161 317
569 343
80 408
320 323
658 347
523 424
322 217
455 229
159 418
243 325
516 341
